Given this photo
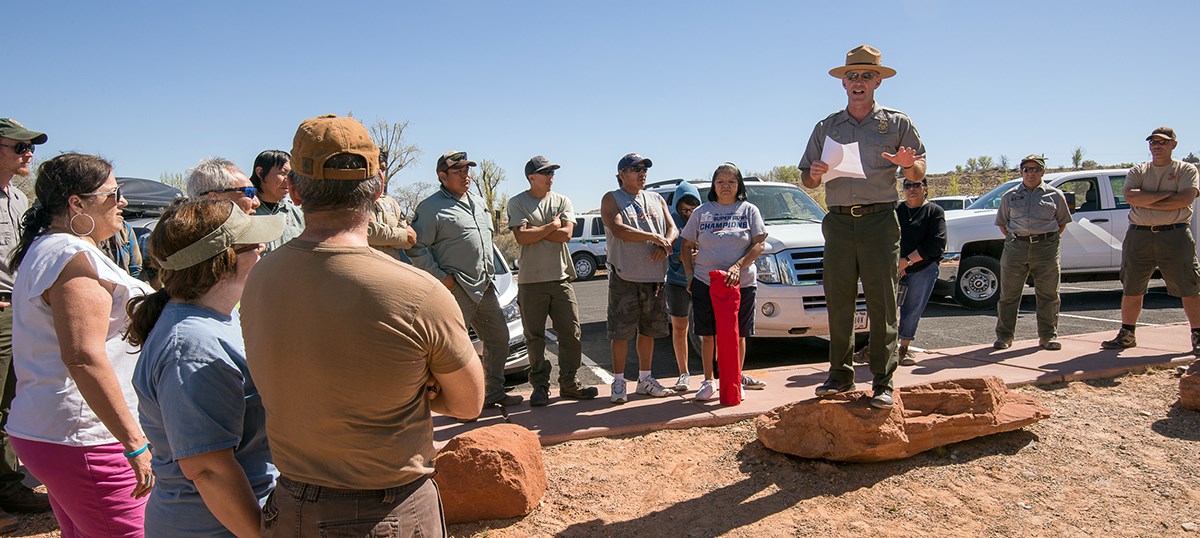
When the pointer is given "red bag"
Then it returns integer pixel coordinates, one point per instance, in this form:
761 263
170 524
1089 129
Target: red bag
726 300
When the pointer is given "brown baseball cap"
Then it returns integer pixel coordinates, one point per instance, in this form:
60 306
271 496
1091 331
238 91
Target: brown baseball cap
317 139
451 159
10 128
1164 132
863 57
1034 158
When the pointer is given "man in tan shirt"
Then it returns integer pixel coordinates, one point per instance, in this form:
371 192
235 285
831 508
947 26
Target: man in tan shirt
1160 195
372 346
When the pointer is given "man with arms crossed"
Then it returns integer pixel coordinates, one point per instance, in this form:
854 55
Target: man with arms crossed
372 347
639 232
542 221
862 235
1160 195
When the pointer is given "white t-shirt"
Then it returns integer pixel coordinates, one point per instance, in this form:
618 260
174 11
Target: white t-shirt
48 406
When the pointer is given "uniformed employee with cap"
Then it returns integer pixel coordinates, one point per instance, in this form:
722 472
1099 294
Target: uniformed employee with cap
1032 215
862 235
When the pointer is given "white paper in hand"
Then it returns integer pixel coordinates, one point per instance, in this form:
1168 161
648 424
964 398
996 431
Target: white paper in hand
843 160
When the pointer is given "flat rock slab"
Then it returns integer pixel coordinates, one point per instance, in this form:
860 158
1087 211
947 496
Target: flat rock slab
494 472
1189 387
846 428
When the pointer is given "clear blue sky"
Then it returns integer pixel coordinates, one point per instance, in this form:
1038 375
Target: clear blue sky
158 85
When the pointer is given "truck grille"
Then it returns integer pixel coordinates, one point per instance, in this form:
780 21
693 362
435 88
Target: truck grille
803 266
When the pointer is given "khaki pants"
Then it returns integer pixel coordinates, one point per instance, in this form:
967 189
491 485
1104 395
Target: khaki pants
1020 260
487 318
866 248
556 300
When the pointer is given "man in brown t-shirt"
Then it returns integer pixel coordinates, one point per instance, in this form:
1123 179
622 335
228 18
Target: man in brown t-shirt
351 350
1160 195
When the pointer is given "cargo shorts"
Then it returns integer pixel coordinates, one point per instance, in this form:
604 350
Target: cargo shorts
1173 252
636 308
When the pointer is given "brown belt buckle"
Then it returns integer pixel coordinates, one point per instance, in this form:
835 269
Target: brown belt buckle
857 208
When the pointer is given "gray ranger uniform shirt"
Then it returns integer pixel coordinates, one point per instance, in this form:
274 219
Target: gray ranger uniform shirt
883 130
1031 212
454 237
13 206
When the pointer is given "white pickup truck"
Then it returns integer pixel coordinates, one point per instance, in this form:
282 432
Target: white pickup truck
1090 245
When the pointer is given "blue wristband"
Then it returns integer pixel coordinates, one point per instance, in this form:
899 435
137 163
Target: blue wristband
137 452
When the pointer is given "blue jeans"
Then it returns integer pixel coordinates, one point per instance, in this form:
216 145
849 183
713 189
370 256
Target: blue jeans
919 287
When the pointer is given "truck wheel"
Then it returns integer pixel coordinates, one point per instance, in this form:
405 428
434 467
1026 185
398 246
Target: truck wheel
978 282
585 266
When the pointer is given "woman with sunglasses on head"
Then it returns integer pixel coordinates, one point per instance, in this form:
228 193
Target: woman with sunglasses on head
922 243
198 405
72 422
726 233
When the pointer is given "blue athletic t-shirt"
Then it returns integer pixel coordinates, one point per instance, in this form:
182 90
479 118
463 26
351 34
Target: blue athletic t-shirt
195 396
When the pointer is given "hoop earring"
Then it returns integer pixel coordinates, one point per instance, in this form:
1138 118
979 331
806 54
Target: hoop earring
71 224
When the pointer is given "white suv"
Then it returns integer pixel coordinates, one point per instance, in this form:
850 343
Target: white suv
588 246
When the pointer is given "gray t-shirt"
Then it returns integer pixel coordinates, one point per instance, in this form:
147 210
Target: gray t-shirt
645 211
13 205
723 233
545 260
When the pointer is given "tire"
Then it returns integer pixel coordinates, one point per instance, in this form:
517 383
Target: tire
978 283
585 266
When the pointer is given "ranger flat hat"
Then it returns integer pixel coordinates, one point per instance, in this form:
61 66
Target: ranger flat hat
863 57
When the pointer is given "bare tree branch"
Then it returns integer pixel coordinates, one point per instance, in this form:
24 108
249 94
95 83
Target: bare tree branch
487 183
390 139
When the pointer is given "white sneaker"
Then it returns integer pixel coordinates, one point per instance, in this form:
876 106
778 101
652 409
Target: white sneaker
618 391
651 387
752 384
707 391
681 384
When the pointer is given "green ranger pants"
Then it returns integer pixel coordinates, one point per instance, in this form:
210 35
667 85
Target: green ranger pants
555 300
1020 260
10 477
863 248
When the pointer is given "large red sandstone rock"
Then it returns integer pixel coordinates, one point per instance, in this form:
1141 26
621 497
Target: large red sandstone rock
847 428
494 472
1189 387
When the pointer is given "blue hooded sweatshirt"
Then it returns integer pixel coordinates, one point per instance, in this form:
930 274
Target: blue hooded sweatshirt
674 264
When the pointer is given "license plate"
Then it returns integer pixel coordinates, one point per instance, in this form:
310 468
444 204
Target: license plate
860 320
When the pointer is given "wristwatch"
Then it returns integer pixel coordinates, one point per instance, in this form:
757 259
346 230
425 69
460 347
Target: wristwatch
908 260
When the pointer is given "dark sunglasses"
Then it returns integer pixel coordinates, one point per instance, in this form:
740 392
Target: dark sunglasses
869 75
1153 142
21 147
638 169
115 192
249 192
1031 169
547 173
240 249
908 185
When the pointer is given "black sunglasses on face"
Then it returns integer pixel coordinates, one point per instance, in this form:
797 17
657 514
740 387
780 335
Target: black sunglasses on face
1031 169
865 76
1153 142
249 192
21 147
638 169
908 185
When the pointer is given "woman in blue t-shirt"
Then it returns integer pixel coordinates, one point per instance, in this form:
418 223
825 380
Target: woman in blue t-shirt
197 402
726 233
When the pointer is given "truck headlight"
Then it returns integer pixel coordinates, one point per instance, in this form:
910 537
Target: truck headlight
511 311
768 269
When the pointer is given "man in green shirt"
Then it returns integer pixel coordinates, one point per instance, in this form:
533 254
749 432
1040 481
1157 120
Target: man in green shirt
542 222
862 235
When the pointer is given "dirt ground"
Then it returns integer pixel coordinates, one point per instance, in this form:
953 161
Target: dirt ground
1117 458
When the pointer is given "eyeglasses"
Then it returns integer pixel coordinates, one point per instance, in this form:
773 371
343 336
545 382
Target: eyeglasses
1031 169
867 76
638 169
916 185
21 147
242 249
249 192
1153 142
115 192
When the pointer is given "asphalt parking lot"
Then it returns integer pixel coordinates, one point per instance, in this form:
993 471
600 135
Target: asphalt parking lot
1086 307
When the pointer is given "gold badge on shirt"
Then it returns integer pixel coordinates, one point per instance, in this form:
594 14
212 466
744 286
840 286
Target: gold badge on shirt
883 126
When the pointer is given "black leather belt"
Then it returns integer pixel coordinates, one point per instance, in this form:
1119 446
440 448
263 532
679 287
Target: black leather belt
860 210
1035 237
1157 229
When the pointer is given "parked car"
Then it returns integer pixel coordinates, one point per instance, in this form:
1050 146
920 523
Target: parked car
1090 244
952 203
149 207
791 292
588 246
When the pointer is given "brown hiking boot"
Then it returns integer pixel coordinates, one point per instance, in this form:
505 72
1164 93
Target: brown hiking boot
1124 340
8 523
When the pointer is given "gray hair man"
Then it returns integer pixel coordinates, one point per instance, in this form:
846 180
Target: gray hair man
372 347
16 155
220 178
454 244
